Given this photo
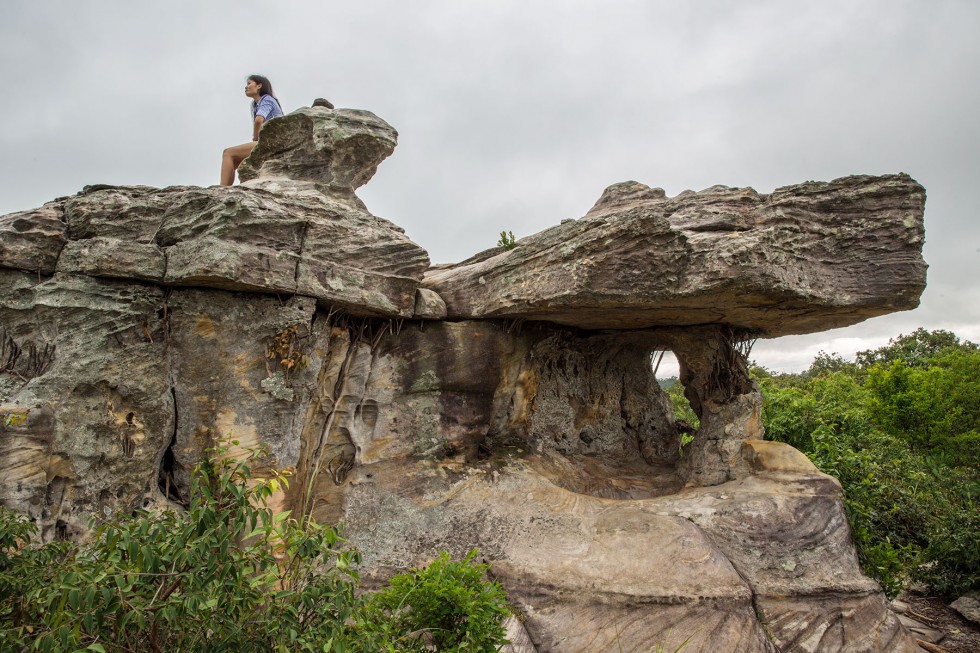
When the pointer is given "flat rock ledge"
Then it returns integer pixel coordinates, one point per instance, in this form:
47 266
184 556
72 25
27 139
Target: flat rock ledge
805 258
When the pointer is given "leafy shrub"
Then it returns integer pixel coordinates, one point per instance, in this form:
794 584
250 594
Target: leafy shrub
937 407
902 439
226 574
682 407
951 559
447 605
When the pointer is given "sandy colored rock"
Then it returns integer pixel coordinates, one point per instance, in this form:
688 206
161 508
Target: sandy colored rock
565 558
968 607
139 326
768 456
88 423
552 451
339 149
569 560
235 239
429 305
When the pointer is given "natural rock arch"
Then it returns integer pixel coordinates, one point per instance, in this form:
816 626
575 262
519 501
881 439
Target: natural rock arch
504 402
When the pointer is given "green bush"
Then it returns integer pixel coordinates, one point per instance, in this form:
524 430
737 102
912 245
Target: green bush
915 349
447 605
226 574
899 430
937 407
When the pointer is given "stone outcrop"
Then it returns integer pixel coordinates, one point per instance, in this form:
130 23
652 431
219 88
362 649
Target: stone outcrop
274 235
506 403
805 258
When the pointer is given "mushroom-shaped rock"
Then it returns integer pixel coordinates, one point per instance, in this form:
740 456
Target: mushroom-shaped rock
338 149
174 315
805 258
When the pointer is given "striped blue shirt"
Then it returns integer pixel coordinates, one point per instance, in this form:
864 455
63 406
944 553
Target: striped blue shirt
267 107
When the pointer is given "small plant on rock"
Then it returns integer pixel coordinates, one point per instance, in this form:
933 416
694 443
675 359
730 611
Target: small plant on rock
506 240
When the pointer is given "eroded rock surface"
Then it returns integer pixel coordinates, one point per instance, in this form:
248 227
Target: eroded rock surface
338 149
138 325
805 258
274 235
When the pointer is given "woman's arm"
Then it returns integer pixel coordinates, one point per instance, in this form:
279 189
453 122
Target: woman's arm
256 126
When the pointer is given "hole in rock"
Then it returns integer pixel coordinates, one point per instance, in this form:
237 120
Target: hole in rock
367 413
669 379
167 478
667 371
55 491
613 431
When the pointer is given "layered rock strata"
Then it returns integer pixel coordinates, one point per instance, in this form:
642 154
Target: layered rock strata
804 258
506 403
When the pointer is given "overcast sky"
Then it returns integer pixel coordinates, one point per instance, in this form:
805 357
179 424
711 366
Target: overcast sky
517 114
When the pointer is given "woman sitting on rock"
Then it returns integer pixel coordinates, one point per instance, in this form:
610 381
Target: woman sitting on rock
265 107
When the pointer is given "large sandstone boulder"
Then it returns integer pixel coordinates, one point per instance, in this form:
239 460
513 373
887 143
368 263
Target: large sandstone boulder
316 240
139 325
339 149
805 258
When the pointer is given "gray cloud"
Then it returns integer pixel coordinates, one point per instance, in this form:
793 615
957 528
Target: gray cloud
515 115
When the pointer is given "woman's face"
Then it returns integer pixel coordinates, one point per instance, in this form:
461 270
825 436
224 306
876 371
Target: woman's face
252 89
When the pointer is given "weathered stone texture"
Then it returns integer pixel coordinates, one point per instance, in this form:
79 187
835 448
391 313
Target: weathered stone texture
86 425
32 240
339 149
805 258
300 237
429 305
139 326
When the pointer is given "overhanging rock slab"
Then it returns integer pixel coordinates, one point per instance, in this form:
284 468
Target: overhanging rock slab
804 258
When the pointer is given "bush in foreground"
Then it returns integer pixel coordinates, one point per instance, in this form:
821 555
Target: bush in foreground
229 574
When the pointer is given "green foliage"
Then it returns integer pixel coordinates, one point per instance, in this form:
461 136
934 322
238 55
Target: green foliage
916 349
682 407
228 573
447 605
953 553
683 413
936 405
15 533
902 439
506 240
825 363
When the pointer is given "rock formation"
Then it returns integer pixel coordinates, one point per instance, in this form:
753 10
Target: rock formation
507 402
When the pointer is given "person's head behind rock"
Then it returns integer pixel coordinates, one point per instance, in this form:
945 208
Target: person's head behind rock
339 149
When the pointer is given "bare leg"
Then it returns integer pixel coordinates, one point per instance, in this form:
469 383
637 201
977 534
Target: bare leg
231 158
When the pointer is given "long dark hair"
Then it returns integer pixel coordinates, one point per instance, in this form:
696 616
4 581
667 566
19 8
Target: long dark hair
266 87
